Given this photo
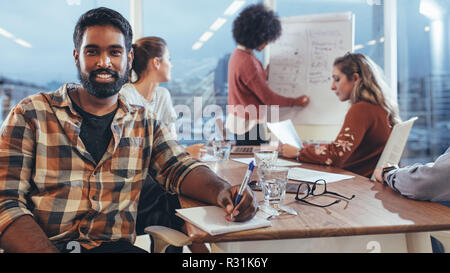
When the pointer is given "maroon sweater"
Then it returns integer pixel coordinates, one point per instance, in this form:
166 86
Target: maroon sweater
358 145
247 83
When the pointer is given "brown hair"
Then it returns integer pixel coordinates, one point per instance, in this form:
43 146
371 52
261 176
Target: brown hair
371 87
146 49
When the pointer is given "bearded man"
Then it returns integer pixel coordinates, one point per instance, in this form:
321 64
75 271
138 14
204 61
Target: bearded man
72 161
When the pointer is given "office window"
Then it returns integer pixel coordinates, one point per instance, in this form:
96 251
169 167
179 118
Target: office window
36 44
424 76
199 37
202 72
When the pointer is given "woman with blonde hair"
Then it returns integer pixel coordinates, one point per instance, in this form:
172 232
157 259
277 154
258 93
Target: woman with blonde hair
367 125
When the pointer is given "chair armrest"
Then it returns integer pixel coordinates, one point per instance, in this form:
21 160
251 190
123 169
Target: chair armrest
164 236
444 238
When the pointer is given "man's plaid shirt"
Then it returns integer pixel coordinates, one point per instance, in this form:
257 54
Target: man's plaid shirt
46 171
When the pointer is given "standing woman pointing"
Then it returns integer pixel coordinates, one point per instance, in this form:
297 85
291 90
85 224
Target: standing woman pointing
253 29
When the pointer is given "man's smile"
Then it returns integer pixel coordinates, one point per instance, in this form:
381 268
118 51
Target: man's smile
104 77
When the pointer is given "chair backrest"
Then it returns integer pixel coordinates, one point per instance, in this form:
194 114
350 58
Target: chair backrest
396 143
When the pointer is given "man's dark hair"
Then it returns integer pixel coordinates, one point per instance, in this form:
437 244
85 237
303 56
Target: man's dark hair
255 26
102 17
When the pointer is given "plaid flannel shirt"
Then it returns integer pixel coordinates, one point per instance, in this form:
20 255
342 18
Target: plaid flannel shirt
46 171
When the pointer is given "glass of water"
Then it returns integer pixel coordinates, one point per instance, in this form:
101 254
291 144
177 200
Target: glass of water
273 184
265 157
221 149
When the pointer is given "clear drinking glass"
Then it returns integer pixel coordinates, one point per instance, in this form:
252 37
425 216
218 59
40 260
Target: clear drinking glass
273 183
265 157
221 149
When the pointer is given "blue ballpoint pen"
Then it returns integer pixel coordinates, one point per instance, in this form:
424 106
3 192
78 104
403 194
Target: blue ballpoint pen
247 177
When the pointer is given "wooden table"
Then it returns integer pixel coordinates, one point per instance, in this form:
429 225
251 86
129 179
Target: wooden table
378 219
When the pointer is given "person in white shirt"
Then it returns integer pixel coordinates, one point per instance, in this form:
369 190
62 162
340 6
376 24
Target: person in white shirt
152 66
158 100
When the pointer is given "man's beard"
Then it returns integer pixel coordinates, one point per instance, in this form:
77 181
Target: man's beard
102 90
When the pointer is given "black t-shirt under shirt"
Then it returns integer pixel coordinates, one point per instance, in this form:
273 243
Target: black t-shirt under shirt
95 132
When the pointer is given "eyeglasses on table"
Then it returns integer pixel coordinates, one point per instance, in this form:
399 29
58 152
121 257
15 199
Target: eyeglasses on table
319 187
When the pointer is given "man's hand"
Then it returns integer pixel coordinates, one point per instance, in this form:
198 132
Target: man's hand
377 174
196 150
204 185
245 210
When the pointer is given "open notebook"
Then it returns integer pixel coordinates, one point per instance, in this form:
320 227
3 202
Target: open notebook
212 220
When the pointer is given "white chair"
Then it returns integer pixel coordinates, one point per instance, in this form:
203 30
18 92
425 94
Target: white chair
396 143
162 238
392 153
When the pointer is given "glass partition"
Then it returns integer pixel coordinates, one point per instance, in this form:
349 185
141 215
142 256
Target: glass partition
37 46
199 37
424 76
37 52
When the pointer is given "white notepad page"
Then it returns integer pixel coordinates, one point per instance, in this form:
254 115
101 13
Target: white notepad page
285 132
212 220
278 163
312 176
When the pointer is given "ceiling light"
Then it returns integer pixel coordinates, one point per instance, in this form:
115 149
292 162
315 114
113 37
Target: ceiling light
235 6
374 2
197 45
431 9
205 37
371 42
6 33
357 47
22 42
217 24
73 2
17 40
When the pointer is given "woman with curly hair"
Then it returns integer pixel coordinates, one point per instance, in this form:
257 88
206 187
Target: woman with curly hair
253 29
367 125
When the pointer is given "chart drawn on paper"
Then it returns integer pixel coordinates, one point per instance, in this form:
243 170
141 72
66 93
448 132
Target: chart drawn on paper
301 63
